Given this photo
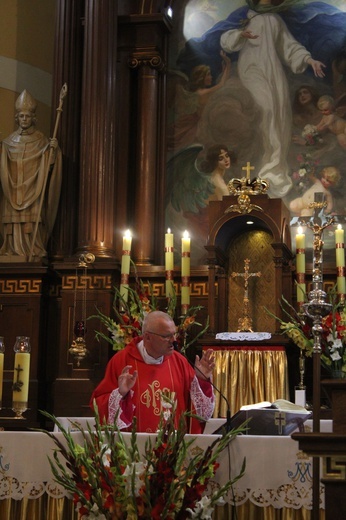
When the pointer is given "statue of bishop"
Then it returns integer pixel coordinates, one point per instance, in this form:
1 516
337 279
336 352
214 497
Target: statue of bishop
30 170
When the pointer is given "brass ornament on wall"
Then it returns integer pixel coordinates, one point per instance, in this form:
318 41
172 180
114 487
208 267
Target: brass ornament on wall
78 347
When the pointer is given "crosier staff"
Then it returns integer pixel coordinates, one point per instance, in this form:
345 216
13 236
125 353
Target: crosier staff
63 93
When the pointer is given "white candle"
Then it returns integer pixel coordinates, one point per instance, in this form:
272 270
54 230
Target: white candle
169 262
125 265
2 356
21 373
340 260
300 265
185 272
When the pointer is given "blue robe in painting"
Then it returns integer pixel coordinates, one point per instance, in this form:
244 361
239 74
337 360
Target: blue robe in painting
320 27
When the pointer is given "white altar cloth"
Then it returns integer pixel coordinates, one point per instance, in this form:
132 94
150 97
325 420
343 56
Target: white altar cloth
277 473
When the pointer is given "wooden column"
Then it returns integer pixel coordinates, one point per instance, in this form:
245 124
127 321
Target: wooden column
68 69
146 37
98 136
146 146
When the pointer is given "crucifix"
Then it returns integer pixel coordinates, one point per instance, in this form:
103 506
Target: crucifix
248 168
245 323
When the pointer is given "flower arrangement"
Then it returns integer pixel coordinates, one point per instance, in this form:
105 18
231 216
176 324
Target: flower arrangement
299 329
129 315
302 177
110 479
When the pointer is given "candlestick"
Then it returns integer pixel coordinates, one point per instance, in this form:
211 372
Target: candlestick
185 272
169 263
340 261
300 266
2 356
125 265
21 375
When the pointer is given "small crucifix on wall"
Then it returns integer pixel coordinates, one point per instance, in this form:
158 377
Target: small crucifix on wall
245 323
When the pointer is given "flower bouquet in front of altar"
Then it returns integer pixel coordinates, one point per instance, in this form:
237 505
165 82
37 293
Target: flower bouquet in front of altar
298 328
110 476
129 315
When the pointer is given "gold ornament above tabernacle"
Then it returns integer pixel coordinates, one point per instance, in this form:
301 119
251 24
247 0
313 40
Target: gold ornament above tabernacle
245 187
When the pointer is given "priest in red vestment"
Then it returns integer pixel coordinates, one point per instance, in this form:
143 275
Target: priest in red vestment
136 376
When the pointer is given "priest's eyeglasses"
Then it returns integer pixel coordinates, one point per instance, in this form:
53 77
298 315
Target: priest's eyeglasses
166 337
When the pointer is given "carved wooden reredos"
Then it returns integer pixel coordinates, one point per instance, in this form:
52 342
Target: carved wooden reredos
267 244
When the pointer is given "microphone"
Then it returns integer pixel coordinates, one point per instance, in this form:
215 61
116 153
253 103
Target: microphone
227 426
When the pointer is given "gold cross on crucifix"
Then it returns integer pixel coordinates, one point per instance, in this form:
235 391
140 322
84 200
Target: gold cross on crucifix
248 168
245 323
246 275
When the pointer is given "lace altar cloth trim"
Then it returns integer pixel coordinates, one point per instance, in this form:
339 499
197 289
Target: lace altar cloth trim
243 336
287 495
11 488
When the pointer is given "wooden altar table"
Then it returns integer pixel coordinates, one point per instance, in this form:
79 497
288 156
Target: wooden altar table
247 374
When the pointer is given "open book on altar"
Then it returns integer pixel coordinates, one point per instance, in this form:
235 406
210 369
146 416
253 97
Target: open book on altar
278 418
279 404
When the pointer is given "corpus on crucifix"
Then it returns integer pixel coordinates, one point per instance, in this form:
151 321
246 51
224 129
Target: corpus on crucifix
245 323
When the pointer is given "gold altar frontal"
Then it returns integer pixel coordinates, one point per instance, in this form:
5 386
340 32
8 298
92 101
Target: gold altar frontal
247 374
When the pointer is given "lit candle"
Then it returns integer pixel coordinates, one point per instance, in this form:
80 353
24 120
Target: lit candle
340 261
169 262
300 266
185 272
2 355
125 265
21 370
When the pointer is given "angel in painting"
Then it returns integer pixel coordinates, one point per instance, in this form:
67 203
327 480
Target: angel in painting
191 96
193 182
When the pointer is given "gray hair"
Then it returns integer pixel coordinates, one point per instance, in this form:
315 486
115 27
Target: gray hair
154 316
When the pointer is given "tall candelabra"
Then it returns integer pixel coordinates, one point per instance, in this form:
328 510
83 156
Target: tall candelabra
317 308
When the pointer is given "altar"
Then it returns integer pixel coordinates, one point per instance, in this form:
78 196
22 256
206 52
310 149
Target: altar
28 491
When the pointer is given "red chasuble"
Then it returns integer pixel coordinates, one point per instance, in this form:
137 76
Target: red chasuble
174 374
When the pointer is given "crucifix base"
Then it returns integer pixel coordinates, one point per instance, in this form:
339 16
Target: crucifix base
245 324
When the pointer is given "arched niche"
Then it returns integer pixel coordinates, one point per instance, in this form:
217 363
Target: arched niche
267 244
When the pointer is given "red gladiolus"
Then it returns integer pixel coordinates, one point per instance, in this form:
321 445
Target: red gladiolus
156 512
109 502
86 489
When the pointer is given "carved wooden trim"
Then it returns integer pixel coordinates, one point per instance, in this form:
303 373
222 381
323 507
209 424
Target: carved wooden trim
154 61
96 281
334 467
21 286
